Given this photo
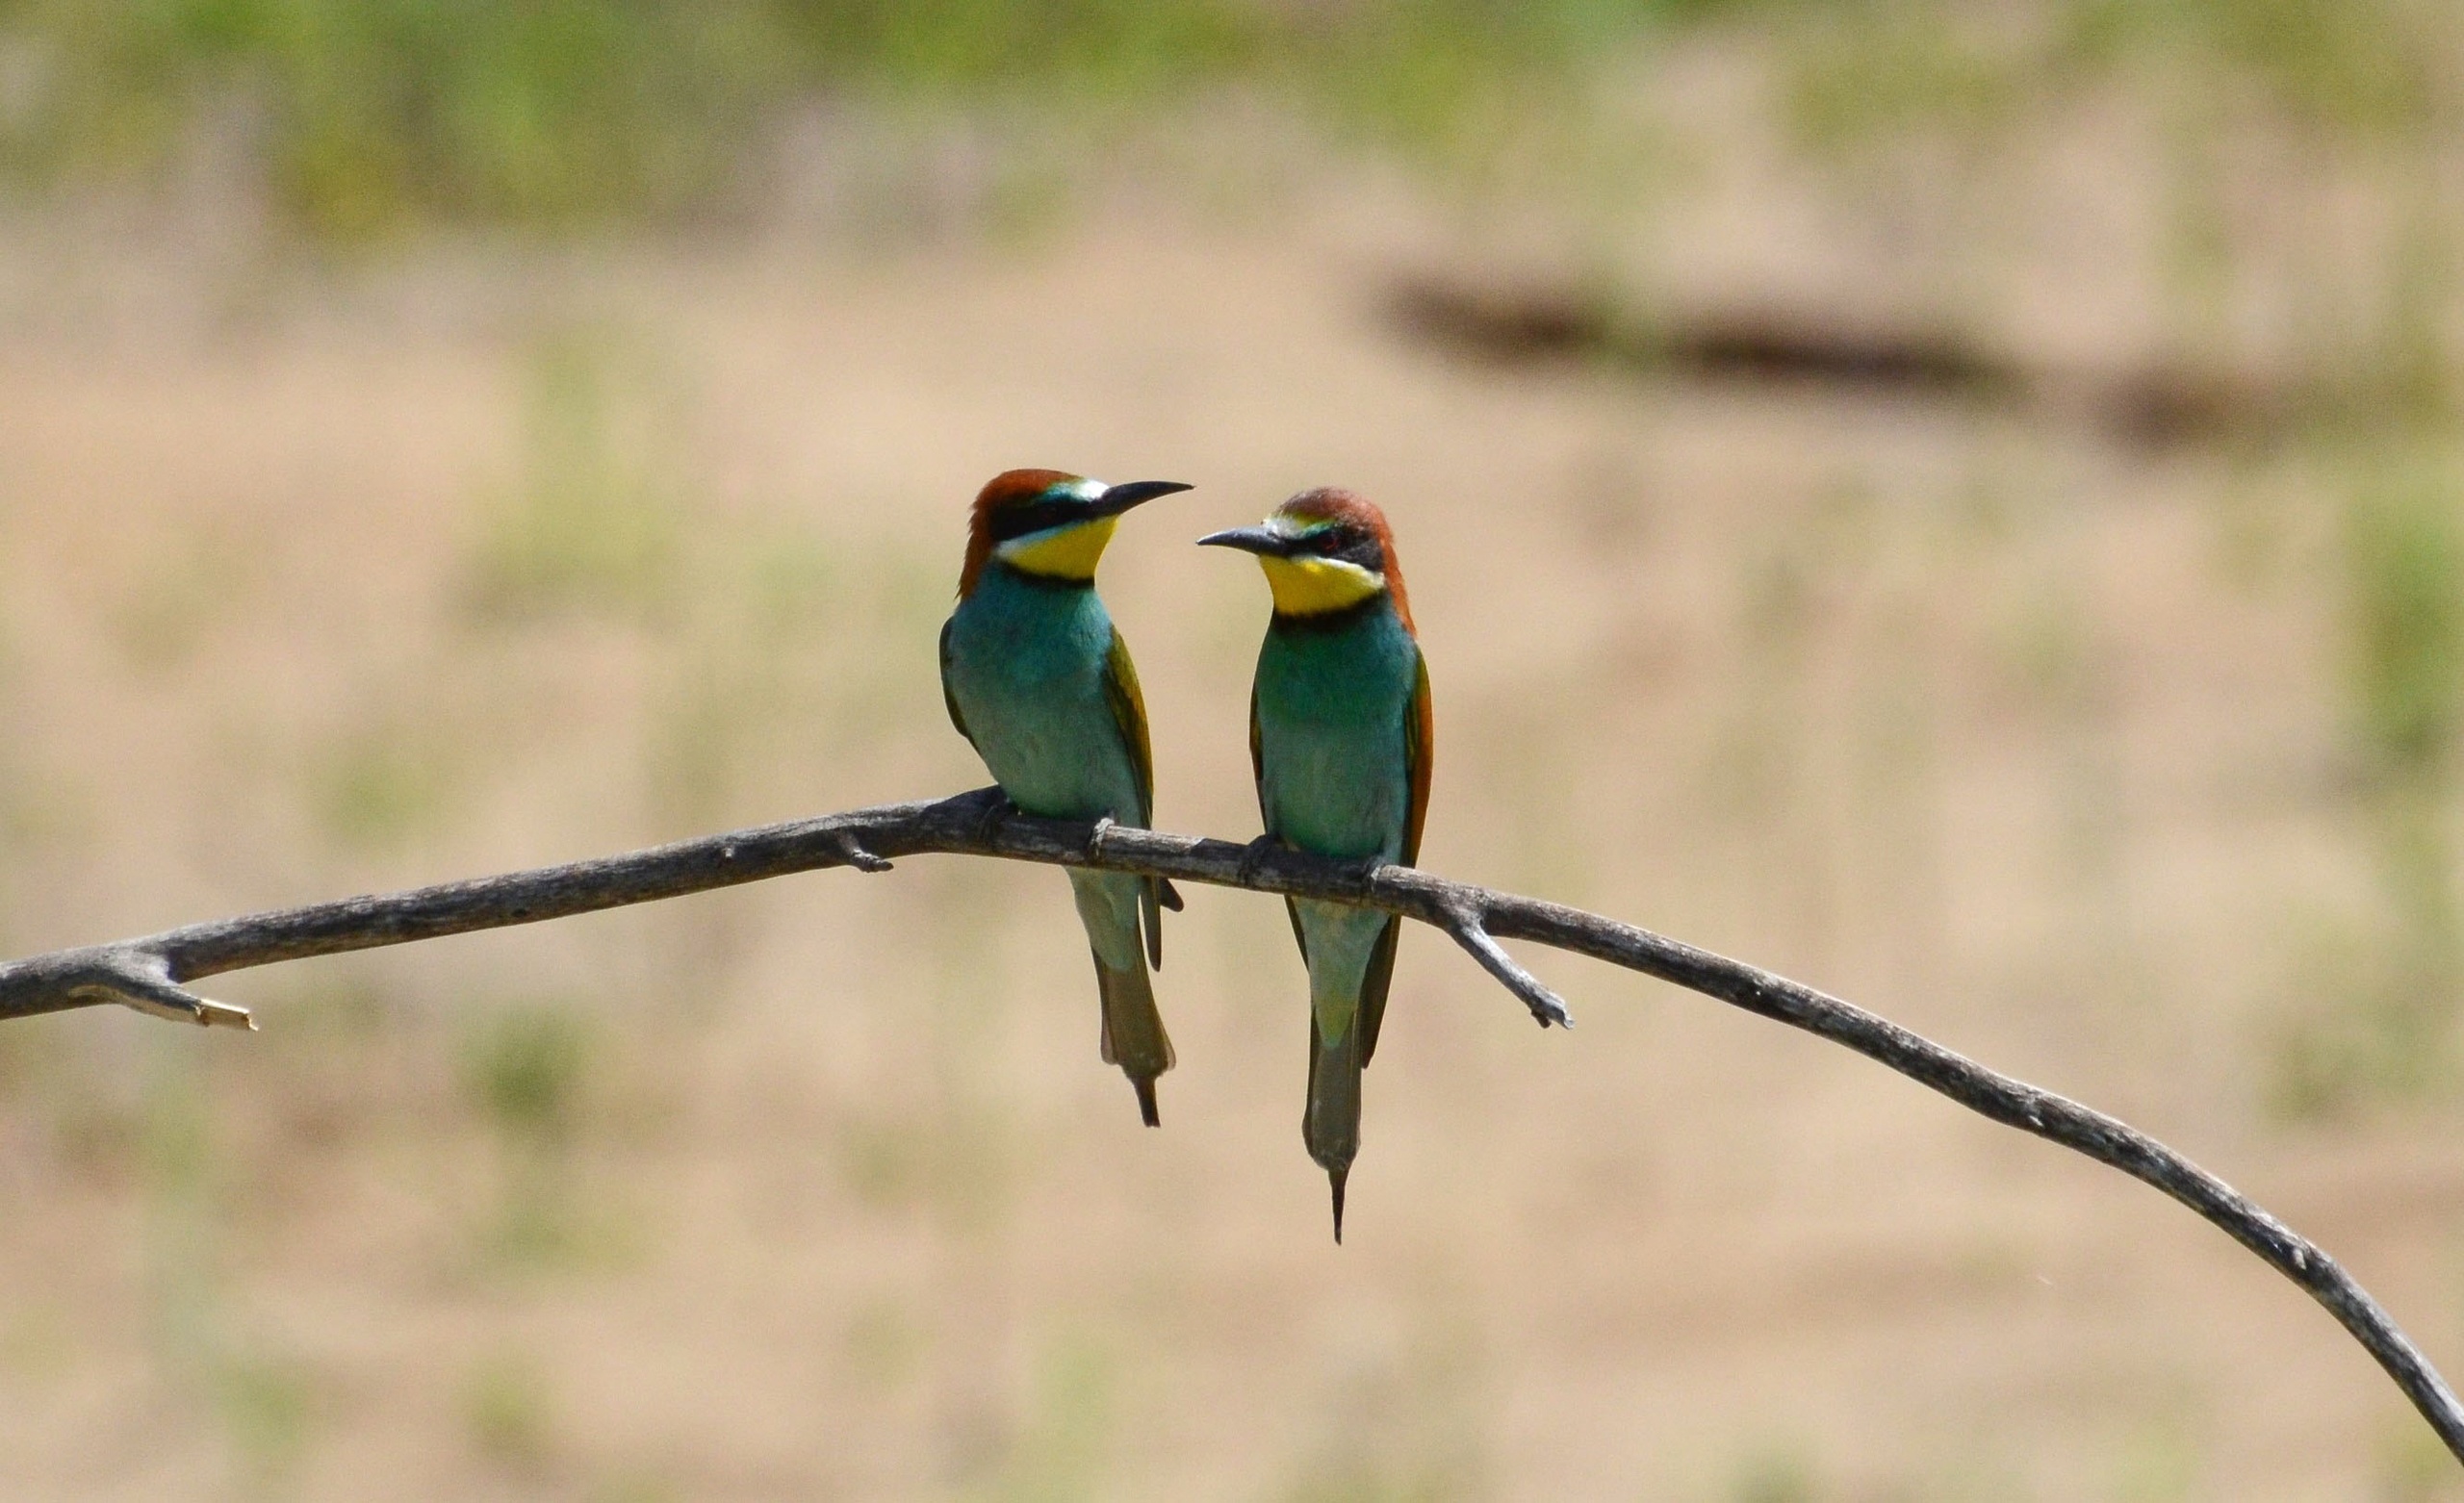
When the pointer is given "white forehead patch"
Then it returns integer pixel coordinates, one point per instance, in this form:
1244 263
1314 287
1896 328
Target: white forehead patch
1283 524
1085 490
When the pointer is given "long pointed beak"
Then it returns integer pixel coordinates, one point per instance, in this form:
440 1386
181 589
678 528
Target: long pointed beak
1118 499
1249 540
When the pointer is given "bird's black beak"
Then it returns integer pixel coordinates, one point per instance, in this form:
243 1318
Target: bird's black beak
1118 499
1263 540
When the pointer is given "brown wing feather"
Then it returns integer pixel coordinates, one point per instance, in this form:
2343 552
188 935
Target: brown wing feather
1419 751
1418 727
1129 717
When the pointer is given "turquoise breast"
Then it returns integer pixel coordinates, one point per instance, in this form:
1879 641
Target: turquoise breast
1026 669
1333 703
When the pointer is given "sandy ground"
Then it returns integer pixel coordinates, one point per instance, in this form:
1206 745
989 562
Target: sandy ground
316 581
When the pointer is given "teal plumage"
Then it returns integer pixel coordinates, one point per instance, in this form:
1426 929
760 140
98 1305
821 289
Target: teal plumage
1340 740
1038 678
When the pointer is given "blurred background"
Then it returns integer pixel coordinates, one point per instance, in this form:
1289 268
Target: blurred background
1962 503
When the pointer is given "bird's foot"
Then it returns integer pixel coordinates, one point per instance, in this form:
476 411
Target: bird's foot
997 810
1104 827
1253 856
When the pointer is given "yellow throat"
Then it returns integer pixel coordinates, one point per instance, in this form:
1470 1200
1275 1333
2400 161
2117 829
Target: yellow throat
1316 586
1070 552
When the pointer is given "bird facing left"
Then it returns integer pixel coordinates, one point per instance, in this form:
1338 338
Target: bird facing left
1038 678
1340 738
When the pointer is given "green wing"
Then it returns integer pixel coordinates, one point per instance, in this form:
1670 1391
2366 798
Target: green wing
1129 717
1418 734
950 701
1266 821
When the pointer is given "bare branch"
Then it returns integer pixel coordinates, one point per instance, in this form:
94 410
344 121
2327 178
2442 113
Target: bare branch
149 973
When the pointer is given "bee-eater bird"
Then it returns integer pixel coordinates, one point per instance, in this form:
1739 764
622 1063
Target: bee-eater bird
1038 679
1340 740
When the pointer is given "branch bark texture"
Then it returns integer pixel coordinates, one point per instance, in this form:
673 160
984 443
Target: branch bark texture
151 973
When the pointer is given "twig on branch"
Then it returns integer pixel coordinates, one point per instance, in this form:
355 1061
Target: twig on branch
149 974
853 851
1547 1007
136 976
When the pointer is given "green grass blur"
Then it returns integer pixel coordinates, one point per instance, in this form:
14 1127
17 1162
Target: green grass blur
549 111
367 116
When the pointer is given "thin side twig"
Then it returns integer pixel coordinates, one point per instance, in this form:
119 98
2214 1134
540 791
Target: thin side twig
1547 1007
149 974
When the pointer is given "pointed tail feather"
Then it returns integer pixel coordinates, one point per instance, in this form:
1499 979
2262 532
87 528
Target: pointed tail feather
1331 1124
1133 1033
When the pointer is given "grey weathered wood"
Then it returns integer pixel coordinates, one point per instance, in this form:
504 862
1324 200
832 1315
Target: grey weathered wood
147 973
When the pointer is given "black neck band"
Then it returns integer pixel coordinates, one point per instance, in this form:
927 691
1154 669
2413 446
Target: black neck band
1342 619
1030 577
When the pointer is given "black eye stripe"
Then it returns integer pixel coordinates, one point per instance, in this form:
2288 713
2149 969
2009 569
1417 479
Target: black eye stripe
1347 544
1016 522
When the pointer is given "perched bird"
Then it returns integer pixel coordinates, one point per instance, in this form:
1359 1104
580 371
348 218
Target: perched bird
1038 679
1339 737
